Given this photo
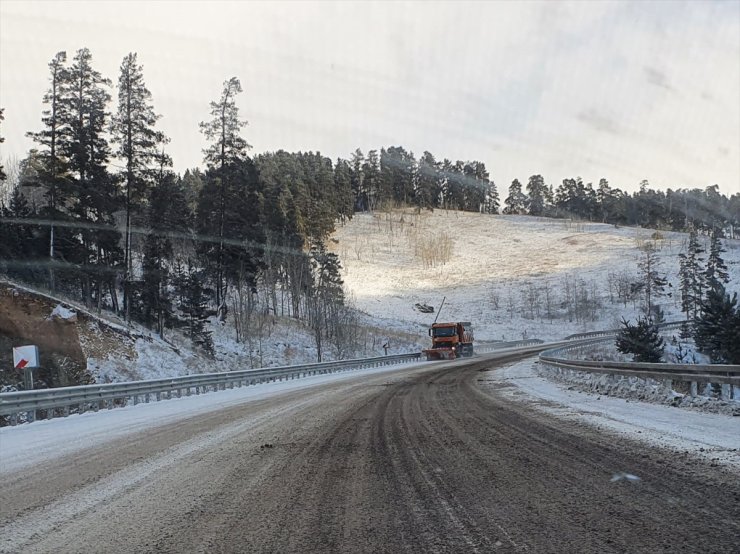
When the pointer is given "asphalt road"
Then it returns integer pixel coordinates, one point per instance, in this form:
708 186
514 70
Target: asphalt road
419 460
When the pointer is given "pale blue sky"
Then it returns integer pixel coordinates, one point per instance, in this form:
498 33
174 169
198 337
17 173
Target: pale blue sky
623 90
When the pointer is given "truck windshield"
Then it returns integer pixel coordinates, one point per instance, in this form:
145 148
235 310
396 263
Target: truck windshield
443 332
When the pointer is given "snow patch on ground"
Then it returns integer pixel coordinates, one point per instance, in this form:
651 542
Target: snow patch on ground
644 390
714 437
60 312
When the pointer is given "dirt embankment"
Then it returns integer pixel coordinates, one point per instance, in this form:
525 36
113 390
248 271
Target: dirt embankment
65 337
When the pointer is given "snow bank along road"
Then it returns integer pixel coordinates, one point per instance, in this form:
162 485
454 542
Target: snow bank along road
423 459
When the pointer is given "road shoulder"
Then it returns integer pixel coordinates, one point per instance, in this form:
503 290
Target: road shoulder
713 437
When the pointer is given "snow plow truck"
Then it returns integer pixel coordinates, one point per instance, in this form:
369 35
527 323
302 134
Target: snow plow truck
450 341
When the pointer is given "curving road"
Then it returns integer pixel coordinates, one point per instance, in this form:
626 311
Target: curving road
418 460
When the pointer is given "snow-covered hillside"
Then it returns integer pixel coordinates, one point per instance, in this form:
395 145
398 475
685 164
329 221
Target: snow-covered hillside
512 276
502 271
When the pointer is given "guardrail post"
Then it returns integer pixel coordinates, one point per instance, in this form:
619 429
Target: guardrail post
725 392
693 389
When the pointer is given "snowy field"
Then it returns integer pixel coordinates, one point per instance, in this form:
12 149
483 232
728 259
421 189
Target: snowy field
498 269
713 437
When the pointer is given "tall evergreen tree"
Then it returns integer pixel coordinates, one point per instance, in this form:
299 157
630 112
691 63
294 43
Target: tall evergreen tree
427 188
3 175
358 181
574 199
537 191
517 200
168 218
716 270
326 296
229 231
605 201
371 179
138 147
691 277
94 197
481 194
18 240
717 330
228 148
396 175
653 281
193 304
56 120
733 211
343 189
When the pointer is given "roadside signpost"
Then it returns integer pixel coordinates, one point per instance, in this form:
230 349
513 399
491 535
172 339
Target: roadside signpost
26 358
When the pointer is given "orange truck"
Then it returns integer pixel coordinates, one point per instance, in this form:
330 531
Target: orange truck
450 341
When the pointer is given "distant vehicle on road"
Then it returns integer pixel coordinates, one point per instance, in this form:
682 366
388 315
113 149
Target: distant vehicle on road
450 341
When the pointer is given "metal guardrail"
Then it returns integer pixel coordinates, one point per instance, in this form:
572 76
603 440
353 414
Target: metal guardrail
493 346
611 332
62 401
59 401
692 373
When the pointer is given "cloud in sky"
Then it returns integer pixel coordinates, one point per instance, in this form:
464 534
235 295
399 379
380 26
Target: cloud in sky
627 91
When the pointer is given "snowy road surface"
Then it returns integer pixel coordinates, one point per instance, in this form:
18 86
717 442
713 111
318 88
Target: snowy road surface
433 458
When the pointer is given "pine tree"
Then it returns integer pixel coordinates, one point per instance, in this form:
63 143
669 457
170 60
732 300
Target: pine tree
16 238
371 179
227 149
168 218
396 175
717 330
194 306
427 192
56 120
483 194
691 277
537 192
94 194
343 190
358 184
326 297
716 270
516 201
652 282
643 341
138 147
230 235
3 176
605 201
